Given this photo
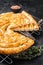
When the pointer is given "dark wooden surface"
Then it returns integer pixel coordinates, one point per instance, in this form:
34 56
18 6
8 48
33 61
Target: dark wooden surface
34 7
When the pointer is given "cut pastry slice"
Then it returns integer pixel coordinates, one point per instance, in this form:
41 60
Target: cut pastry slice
13 42
23 22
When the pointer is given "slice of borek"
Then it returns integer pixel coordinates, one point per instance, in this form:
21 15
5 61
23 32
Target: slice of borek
23 22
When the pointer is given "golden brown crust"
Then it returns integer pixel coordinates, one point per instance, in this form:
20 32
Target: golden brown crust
14 50
12 42
19 22
23 22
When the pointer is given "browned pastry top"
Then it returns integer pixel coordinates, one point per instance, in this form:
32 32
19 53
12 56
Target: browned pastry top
13 42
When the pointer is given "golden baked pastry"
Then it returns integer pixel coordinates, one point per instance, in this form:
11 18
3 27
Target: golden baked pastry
5 18
23 22
13 42
19 22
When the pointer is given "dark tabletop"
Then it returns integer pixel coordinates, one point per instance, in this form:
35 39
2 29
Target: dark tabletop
34 7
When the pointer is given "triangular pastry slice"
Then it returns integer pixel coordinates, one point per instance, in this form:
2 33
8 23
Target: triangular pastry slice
13 42
23 22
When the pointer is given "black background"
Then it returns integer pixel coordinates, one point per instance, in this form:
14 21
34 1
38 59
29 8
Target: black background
35 7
